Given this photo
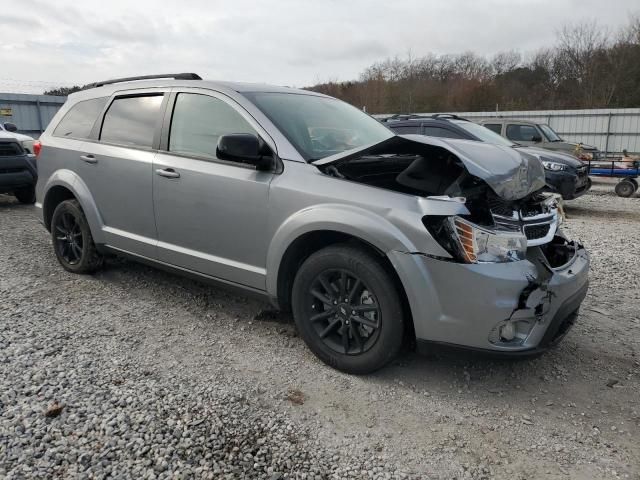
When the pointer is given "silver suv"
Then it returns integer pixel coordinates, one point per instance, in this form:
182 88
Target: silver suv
370 238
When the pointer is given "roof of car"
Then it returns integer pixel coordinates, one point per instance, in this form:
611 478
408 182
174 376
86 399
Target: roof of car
222 86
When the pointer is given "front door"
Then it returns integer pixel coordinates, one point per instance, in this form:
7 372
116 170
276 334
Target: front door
211 214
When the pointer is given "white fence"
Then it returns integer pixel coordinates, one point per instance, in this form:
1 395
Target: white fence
611 130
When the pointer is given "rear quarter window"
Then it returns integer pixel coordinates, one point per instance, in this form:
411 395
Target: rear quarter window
406 129
494 127
79 120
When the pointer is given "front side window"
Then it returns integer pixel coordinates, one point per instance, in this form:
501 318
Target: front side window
79 120
198 122
521 133
549 132
319 126
132 121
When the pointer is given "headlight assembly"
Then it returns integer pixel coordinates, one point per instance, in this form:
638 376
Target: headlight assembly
554 166
480 245
27 145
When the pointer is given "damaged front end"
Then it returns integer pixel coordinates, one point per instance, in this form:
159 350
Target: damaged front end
511 282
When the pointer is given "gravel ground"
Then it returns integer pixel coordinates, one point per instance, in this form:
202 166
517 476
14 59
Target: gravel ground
136 373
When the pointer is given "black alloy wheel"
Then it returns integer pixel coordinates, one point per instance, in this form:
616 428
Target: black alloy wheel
347 308
68 238
72 240
344 313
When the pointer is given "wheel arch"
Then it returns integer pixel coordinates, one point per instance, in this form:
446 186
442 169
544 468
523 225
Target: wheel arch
66 185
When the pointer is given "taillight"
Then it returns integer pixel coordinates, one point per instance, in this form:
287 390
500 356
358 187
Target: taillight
37 146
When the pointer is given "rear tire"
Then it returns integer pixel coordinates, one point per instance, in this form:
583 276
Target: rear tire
348 310
625 188
26 195
72 240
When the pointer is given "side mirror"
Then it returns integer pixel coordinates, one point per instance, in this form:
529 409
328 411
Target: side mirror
536 138
10 127
243 148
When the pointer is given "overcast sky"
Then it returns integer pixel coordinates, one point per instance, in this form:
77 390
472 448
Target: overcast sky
285 42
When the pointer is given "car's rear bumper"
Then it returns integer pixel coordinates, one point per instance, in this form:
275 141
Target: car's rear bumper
468 305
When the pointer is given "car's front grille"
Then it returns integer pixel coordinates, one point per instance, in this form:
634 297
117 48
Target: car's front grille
11 170
9 149
535 232
536 219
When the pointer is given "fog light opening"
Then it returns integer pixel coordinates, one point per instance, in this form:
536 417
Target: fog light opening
507 332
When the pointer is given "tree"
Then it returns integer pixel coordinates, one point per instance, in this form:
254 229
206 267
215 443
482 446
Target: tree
63 91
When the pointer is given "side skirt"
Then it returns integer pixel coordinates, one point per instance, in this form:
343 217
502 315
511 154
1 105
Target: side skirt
232 287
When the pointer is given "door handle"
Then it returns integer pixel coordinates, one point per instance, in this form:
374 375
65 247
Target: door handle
167 173
88 158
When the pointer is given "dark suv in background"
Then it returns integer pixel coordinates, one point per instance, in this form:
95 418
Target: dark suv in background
564 173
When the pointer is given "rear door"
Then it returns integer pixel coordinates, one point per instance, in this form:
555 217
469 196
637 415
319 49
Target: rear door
211 214
117 168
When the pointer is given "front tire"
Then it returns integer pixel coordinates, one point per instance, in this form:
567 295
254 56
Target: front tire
72 239
26 195
348 310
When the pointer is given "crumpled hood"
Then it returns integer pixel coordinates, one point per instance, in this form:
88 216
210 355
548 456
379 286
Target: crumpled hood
552 156
511 174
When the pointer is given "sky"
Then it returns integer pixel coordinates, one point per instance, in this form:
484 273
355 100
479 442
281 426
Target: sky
45 43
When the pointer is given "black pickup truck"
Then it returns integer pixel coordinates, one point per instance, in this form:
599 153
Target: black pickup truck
18 171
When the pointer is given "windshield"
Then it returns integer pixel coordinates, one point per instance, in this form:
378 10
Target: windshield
483 133
319 126
551 135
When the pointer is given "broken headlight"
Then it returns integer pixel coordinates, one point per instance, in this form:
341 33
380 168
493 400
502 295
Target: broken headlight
476 244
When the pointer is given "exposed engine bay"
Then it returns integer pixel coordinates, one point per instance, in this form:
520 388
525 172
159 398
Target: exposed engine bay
438 172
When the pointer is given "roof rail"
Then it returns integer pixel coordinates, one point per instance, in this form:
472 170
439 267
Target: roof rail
176 76
447 115
403 116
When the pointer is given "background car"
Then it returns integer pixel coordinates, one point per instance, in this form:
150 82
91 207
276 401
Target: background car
564 173
9 130
524 132
18 172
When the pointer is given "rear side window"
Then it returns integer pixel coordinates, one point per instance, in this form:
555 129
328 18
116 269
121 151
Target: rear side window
79 120
521 133
198 122
441 132
132 121
494 127
406 130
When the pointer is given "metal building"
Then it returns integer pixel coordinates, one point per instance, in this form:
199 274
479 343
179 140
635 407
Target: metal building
31 113
610 129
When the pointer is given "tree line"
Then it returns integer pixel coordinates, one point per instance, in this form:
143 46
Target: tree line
587 67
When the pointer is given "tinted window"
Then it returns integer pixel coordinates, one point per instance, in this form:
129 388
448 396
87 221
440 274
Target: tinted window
78 121
131 121
521 133
441 132
494 127
402 130
198 122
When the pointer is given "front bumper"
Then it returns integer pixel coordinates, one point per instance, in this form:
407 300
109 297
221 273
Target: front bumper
568 184
17 172
465 305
